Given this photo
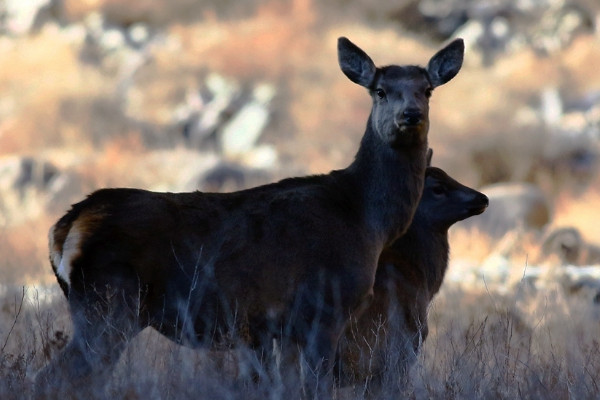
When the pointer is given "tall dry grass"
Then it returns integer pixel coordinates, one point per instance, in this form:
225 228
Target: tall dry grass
523 344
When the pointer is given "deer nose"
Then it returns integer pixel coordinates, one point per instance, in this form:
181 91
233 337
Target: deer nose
481 203
412 116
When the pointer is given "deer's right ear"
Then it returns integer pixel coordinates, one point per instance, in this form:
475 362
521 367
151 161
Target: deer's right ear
429 155
446 63
355 63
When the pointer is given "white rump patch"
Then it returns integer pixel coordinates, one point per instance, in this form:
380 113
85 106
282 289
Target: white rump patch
55 255
70 251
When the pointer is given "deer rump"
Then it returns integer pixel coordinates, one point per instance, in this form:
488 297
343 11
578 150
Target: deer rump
202 268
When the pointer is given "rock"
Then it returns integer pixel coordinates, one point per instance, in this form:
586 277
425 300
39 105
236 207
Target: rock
512 206
24 182
571 160
10 170
19 15
569 246
204 112
19 173
551 107
241 133
583 282
229 118
138 34
260 157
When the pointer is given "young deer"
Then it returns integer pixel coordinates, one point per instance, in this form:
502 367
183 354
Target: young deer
388 335
289 260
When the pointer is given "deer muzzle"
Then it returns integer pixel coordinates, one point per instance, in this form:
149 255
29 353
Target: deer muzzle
411 117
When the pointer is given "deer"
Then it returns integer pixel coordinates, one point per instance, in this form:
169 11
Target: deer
287 261
388 335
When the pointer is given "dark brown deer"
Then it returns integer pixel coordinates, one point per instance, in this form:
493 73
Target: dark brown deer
387 337
289 260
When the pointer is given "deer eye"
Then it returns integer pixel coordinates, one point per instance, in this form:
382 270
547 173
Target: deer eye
428 92
438 190
380 93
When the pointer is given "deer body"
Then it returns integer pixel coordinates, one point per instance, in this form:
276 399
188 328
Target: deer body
216 254
289 260
388 335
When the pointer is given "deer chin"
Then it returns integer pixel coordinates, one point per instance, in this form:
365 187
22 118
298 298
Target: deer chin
477 209
470 211
407 135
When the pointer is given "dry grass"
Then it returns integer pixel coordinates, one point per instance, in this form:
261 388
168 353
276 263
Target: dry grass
521 345
530 345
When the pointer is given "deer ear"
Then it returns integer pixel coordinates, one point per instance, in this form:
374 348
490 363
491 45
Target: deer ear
355 63
446 63
429 155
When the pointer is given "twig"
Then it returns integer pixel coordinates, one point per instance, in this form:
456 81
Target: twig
17 314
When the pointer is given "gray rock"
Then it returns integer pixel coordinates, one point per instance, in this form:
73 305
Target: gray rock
242 132
512 206
19 15
204 112
18 173
24 184
568 244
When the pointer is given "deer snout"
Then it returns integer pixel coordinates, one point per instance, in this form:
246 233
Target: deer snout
411 116
480 204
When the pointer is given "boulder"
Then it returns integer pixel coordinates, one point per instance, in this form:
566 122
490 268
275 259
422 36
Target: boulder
570 247
512 206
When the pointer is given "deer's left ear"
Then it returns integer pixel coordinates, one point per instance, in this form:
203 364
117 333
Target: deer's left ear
446 63
355 63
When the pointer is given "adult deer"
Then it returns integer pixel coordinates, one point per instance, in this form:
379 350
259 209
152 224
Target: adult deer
289 260
383 342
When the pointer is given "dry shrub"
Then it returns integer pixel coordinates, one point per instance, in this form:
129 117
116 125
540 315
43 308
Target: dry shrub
30 333
504 346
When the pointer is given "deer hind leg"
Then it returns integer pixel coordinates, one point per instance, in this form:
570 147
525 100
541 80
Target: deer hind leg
318 342
317 363
104 321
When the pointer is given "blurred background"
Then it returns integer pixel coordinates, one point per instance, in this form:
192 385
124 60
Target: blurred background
218 95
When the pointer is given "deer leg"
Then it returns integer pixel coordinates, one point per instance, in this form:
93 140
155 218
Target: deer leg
102 326
317 364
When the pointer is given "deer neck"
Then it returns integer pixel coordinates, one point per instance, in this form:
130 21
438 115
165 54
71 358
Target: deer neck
426 248
390 182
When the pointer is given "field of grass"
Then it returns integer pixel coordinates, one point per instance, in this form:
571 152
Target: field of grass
526 344
486 340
